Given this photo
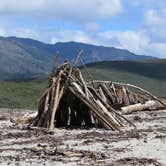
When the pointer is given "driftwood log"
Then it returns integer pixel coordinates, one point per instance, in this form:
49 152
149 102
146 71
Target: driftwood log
149 105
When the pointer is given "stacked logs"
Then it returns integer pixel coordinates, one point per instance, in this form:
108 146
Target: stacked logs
120 94
70 101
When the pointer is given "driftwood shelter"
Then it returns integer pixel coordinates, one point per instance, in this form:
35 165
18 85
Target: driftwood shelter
71 101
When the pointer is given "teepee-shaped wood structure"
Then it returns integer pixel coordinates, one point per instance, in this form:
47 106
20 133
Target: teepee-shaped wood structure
70 101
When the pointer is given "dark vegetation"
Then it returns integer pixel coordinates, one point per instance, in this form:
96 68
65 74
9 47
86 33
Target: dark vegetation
21 94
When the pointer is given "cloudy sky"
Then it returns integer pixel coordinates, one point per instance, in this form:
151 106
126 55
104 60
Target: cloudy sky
136 25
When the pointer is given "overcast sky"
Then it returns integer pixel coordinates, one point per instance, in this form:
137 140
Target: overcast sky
136 25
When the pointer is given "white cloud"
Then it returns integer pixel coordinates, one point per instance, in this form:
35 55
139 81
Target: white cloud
155 23
146 3
2 32
72 10
26 33
21 32
92 27
155 18
72 35
130 40
157 49
135 41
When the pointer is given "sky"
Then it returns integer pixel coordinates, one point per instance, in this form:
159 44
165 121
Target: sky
136 25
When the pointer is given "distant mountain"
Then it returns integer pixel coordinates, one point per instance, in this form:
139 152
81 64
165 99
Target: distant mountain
23 57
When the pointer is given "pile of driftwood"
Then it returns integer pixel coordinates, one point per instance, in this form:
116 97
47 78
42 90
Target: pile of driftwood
70 101
126 97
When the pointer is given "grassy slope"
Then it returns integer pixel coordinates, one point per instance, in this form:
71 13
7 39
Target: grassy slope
150 75
157 87
21 94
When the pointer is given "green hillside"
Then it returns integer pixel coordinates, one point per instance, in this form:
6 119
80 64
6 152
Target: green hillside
150 75
24 94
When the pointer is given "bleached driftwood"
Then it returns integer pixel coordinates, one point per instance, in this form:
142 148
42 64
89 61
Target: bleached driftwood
138 107
25 119
132 86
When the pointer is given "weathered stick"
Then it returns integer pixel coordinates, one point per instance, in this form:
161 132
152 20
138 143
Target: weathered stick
55 65
57 98
138 107
46 106
108 93
83 83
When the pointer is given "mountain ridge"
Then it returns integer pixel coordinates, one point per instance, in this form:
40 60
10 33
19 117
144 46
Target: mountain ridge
24 57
